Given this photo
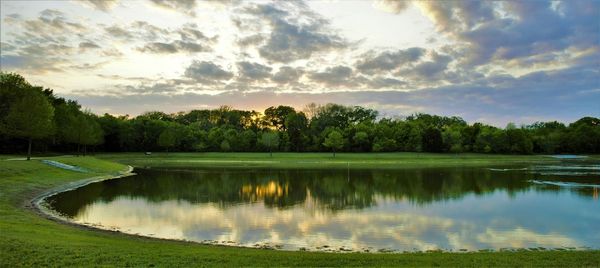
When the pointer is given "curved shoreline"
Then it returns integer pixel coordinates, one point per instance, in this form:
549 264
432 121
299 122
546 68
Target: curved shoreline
37 204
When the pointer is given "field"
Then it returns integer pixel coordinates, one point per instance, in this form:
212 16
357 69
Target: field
311 160
29 239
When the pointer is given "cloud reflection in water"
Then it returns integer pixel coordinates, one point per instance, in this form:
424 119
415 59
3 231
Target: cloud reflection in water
411 210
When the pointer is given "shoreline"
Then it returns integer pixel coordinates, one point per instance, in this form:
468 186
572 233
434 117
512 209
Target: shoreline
38 200
39 205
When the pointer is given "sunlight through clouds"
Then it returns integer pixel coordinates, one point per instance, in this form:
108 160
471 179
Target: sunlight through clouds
91 50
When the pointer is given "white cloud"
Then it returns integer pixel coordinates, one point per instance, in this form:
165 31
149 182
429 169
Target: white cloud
505 54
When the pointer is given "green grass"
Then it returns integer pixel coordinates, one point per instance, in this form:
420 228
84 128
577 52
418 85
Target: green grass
311 160
27 239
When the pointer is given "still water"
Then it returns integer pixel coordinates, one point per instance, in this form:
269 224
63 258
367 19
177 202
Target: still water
360 210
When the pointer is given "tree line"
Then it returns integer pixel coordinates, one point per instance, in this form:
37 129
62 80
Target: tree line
32 114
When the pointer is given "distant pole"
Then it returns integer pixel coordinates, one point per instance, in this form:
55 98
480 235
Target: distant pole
29 150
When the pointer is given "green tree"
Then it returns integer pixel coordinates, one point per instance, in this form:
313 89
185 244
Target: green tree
230 142
111 126
247 139
432 140
383 133
146 132
167 138
384 145
296 124
546 136
215 138
361 140
269 140
331 115
469 136
584 136
12 87
201 141
276 116
408 136
519 141
483 141
92 133
30 117
80 128
334 140
225 147
452 140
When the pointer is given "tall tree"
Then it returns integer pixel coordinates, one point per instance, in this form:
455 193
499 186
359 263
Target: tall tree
360 139
92 133
432 140
269 140
64 116
12 88
167 138
276 116
334 140
231 141
296 124
311 110
111 127
246 140
30 117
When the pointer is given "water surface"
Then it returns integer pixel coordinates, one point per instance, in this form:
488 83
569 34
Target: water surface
393 210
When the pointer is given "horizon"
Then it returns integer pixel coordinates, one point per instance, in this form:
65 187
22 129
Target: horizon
489 62
301 109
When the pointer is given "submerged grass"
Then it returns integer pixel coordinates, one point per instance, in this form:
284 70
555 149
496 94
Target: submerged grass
28 239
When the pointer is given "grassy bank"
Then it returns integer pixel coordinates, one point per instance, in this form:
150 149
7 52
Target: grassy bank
311 160
27 239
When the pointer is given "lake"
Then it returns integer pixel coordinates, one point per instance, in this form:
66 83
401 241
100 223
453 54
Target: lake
375 210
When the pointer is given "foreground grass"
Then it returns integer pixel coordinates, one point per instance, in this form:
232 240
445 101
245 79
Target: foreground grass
27 239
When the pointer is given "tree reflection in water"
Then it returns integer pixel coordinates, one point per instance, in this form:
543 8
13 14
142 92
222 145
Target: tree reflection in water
330 190
408 209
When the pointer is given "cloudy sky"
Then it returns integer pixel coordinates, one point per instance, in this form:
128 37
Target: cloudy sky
492 62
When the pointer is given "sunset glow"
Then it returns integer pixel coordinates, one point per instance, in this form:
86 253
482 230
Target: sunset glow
492 62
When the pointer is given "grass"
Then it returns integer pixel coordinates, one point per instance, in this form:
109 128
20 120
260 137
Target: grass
311 160
27 239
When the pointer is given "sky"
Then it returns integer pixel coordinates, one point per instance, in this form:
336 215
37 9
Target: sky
486 61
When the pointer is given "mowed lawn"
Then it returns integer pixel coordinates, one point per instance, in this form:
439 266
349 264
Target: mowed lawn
28 239
314 160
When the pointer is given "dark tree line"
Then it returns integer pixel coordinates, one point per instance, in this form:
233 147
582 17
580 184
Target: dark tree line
33 113
61 125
